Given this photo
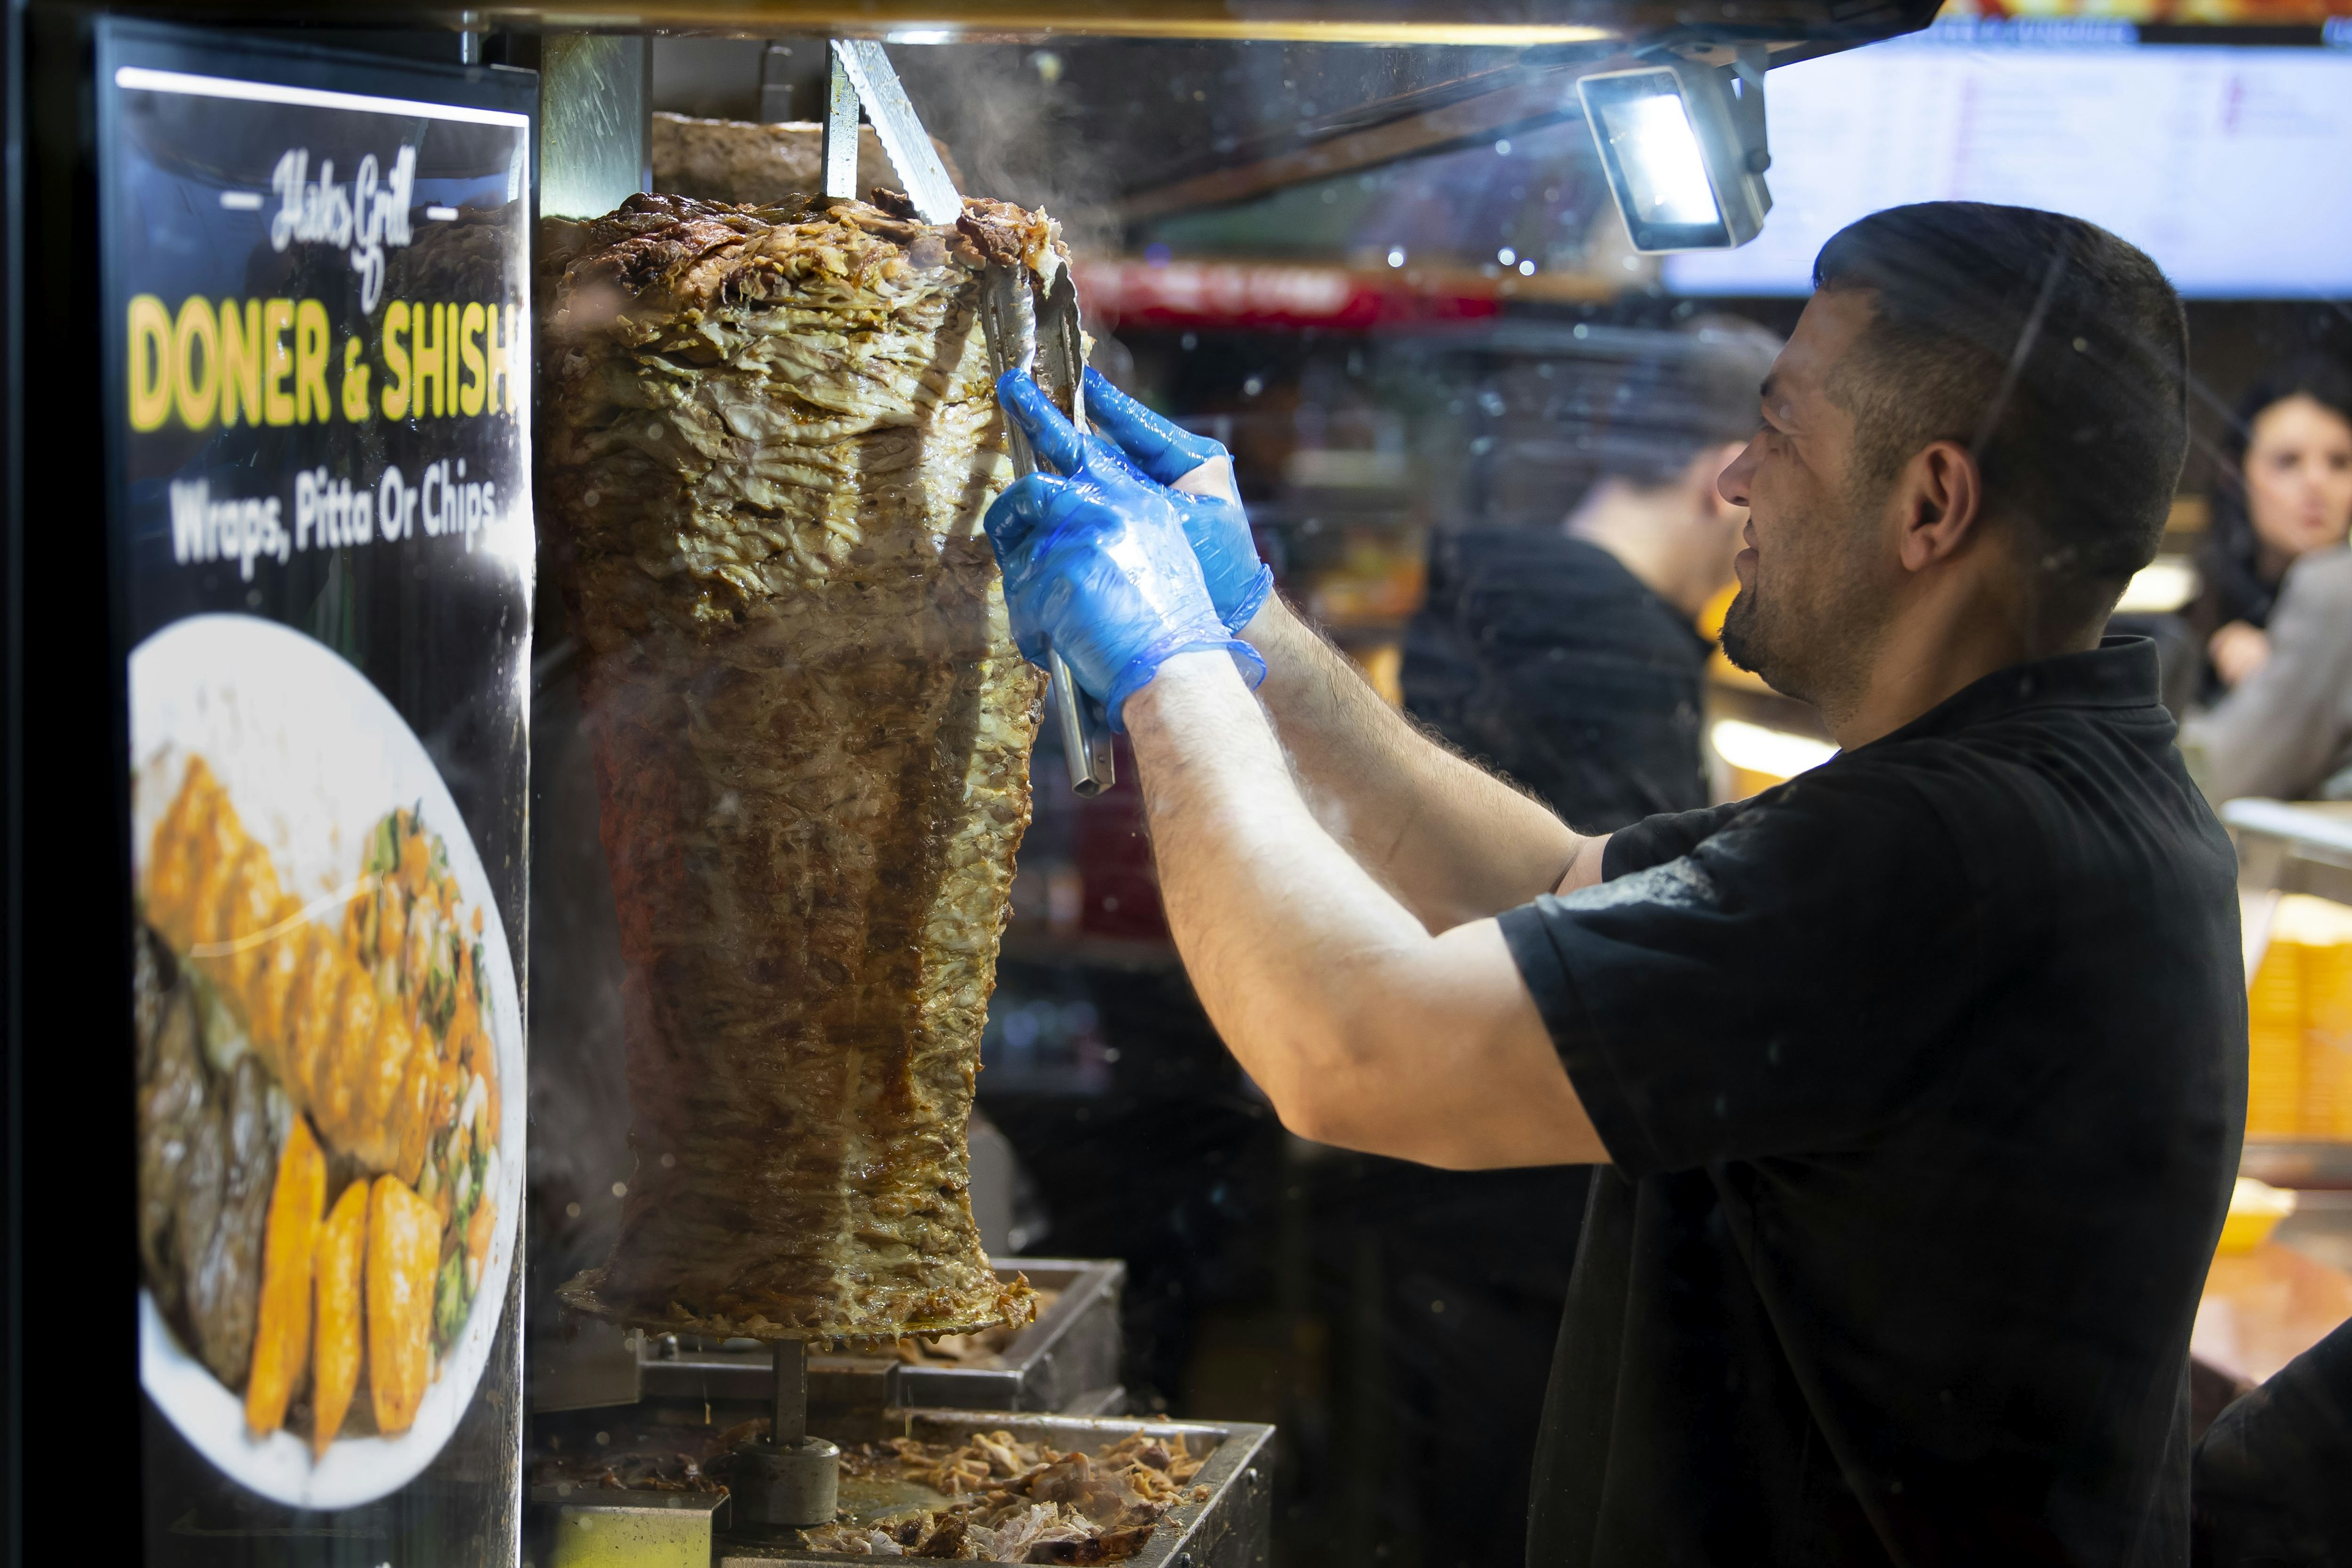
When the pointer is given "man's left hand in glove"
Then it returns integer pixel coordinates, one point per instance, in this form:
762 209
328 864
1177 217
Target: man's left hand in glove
1096 564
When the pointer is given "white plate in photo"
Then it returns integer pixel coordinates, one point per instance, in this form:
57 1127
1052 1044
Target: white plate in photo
312 757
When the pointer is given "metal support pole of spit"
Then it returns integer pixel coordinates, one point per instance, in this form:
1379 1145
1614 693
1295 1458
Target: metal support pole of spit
791 1423
788 1479
858 70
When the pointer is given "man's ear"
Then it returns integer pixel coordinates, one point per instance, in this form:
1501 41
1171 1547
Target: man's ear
1938 504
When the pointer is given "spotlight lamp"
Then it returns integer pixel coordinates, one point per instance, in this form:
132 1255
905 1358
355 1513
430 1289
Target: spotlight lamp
1685 148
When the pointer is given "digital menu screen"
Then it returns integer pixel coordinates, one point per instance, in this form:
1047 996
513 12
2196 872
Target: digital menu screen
2223 164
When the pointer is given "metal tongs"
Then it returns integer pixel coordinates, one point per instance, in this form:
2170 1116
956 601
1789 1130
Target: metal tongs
1030 325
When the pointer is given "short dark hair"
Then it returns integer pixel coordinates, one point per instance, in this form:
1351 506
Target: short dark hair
2057 353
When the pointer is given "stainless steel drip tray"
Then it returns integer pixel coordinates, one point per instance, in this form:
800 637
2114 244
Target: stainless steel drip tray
1067 1359
1231 1528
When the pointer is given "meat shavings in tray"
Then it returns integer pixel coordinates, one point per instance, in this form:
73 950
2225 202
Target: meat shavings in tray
1005 1500
984 1349
992 1498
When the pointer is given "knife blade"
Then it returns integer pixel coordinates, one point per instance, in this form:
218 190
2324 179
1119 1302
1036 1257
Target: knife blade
1061 370
876 81
1009 320
1015 322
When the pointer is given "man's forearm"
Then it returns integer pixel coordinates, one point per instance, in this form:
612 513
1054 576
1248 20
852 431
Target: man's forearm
1363 1027
1452 842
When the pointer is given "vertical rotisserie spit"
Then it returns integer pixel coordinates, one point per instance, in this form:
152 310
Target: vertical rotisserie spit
768 438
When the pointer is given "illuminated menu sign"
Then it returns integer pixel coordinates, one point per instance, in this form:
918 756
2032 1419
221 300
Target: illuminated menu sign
315 309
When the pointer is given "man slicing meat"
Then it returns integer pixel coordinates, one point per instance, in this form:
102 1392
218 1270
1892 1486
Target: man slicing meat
1921 1077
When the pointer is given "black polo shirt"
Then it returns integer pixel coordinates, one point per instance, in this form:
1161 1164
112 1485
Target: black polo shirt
1923 1076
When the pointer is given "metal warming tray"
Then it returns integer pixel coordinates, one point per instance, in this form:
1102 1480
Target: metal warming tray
1233 1529
1066 1362
576 1527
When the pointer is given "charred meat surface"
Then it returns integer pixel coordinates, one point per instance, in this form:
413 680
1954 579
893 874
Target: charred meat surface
768 437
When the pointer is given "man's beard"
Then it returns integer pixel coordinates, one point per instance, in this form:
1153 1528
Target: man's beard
1742 644
1813 635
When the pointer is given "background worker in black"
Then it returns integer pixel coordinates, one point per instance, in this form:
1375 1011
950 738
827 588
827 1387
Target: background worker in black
1564 654
1921 1076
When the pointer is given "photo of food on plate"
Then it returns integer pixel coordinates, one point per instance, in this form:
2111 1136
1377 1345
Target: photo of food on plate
318 1113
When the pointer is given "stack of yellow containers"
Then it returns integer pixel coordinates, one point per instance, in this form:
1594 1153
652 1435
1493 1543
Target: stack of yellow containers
2299 1024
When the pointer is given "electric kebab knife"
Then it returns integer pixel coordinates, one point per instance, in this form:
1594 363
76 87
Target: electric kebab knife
1030 325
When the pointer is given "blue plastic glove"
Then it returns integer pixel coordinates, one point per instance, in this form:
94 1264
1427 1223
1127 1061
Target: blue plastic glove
1159 454
1097 562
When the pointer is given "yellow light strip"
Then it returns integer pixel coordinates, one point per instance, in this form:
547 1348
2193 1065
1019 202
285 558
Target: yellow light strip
1172 20
1774 752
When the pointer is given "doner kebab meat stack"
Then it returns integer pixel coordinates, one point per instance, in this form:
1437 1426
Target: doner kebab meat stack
769 434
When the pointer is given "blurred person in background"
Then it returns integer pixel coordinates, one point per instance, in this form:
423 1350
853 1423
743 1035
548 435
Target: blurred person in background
2275 613
2288 494
1568 657
1565 656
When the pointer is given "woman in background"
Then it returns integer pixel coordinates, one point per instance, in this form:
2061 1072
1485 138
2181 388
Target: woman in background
2275 613
2291 444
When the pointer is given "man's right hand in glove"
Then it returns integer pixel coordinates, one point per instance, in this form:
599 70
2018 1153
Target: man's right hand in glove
1097 563
1453 843
1193 475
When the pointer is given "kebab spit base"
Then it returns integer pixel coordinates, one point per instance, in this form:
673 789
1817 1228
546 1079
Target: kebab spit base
1224 1521
1066 1363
